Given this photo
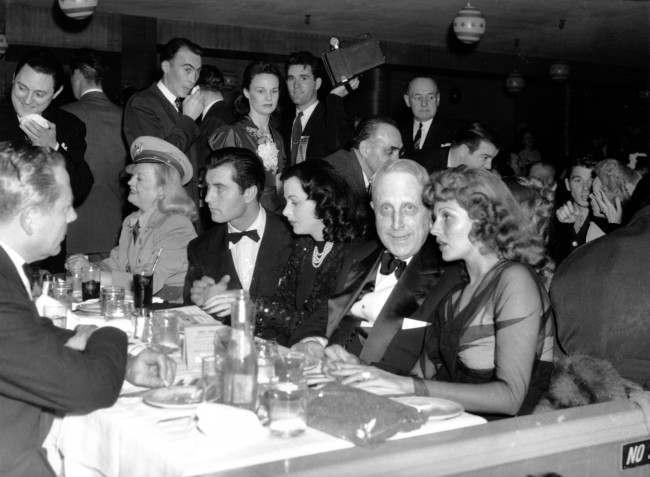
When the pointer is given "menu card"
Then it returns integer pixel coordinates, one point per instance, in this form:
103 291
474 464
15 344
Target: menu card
199 329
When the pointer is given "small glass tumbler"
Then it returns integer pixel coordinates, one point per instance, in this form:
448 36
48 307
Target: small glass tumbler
211 377
287 396
113 304
90 284
164 328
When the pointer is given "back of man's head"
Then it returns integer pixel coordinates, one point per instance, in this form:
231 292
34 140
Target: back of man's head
367 129
90 65
305 58
210 78
43 61
247 169
27 179
170 48
473 134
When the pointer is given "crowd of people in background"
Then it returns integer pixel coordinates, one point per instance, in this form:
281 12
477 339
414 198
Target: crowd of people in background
417 257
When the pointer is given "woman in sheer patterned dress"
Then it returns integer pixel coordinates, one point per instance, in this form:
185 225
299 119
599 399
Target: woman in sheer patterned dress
490 347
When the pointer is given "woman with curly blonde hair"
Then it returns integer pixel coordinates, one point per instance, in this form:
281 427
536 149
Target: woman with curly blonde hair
490 347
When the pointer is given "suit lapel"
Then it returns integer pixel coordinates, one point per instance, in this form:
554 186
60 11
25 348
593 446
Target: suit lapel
402 302
266 252
8 267
223 263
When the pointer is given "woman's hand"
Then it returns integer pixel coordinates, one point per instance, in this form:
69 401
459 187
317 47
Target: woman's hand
372 379
338 354
613 212
77 261
568 213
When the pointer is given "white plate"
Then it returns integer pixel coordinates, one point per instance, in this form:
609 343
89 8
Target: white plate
435 408
90 307
174 397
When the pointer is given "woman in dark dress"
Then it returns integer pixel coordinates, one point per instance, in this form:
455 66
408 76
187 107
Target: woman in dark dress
261 89
321 211
490 346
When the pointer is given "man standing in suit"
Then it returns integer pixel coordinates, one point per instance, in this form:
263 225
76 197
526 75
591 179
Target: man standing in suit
473 146
99 218
248 247
374 321
168 109
426 131
48 370
38 80
376 141
319 128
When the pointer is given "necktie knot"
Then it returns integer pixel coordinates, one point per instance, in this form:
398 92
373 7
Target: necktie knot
390 264
179 104
234 237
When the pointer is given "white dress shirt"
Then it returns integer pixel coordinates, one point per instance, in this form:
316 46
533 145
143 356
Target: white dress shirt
306 114
171 97
371 304
425 130
244 252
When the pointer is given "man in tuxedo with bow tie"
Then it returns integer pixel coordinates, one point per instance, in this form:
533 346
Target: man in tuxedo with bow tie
168 109
248 247
372 320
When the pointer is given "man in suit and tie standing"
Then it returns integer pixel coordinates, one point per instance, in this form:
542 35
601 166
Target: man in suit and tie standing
376 141
319 128
374 320
99 218
248 247
168 109
426 130
46 370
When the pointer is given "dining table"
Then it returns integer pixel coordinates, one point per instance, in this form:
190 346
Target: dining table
133 438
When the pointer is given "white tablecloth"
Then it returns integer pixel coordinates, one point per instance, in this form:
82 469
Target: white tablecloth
126 440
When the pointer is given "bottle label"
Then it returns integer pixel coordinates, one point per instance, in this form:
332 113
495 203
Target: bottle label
243 388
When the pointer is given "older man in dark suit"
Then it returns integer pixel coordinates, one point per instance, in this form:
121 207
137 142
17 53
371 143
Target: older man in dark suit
376 141
319 128
28 117
376 318
248 247
168 109
47 370
99 218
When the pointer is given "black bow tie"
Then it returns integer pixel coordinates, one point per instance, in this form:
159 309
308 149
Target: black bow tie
390 264
235 237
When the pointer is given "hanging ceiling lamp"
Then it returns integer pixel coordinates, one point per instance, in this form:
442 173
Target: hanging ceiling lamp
559 72
515 83
469 24
78 9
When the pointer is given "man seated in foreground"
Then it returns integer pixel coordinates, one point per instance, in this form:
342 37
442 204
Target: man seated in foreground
248 247
48 371
374 320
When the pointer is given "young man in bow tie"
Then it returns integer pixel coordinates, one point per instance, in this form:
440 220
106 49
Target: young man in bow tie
373 321
248 247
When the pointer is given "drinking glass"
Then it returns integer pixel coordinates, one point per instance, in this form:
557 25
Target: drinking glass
142 288
113 304
91 283
164 331
287 396
212 376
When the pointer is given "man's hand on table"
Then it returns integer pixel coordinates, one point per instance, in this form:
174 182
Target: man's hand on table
211 296
150 369
79 340
337 353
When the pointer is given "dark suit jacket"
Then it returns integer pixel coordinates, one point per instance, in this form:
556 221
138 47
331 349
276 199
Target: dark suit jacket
345 163
208 255
328 128
99 218
440 134
219 114
148 113
433 160
39 376
601 300
387 345
70 134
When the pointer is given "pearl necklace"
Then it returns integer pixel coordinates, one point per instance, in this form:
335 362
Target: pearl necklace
317 258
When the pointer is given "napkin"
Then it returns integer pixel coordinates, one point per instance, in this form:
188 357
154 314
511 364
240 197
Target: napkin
229 425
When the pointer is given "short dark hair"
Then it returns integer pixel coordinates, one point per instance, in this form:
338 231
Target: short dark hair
170 48
472 134
89 64
256 68
27 178
367 128
305 58
43 61
210 78
248 169
336 205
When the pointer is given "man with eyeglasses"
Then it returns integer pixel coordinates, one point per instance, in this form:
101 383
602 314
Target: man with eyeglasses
376 141
425 130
